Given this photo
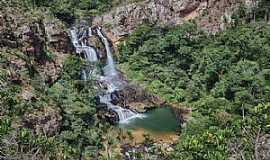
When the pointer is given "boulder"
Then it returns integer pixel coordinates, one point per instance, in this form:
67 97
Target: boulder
108 115
136 98
182 113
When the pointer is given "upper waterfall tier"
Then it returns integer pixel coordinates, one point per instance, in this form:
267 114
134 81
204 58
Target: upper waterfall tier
81 46
110 68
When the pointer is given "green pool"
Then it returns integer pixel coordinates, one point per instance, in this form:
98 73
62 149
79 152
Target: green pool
157 120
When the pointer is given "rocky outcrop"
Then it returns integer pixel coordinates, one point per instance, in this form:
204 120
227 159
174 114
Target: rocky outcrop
32 34
212 15
41 39
261 142
108 115
135 98
150 149
182 113
57 36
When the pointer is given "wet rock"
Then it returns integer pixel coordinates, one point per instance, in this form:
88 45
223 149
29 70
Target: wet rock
108 115
182 113
136 99
100 49
112 117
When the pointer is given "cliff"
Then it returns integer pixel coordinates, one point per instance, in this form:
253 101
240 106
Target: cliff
211 15
38 36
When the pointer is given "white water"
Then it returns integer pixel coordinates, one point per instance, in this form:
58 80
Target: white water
83 75
89 51
111 78
74 38
125 115
109 70
91 54
90 33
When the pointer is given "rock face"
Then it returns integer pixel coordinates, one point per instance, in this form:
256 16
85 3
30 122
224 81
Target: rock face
182 113
108 115
56 35
37 36
209 14
135 98
32 34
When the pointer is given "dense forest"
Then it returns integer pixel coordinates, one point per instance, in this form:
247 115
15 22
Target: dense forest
224 78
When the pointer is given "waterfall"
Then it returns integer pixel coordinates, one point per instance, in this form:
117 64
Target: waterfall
113 84
111 78
75 41
89 51
91 54
83 75
124 114
74 38
90 32
110 68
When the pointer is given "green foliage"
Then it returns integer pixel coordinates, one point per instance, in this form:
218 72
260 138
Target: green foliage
224 78
261 115
48 56
80 134
69 10
72 67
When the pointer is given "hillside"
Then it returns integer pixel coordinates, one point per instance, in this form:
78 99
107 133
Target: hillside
134 79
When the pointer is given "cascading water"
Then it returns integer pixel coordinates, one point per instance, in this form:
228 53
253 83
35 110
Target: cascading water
89 51
90 32
109 70
124 114
82 47
83 75
114 83
91 54
110 77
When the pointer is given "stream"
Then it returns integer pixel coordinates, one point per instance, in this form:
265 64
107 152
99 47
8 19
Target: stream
159 122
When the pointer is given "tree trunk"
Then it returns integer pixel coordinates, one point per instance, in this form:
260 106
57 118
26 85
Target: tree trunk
254 16
254 10
266 16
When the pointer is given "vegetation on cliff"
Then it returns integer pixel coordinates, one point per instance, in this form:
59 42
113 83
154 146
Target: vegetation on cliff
224 78
39 121
68 10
